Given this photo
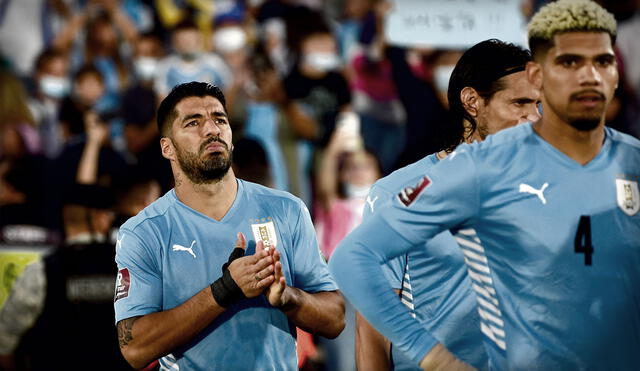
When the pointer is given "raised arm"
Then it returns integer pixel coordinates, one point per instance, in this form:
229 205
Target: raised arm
146 338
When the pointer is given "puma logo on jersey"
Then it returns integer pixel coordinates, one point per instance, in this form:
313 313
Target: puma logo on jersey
371 202
189 249
525 188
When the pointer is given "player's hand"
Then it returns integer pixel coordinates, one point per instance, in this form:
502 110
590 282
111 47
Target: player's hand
252 273
277 292
440 359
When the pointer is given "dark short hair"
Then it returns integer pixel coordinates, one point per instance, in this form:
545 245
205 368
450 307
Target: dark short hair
86 70
166 111
46 56
481 67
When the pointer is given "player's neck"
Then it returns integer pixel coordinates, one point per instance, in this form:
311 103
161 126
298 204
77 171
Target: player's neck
213 200
581 146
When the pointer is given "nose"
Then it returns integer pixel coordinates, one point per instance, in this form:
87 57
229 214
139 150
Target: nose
589 75
210 128
530 113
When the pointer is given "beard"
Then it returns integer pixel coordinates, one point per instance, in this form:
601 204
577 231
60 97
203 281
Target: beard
585 124
208 169
591 120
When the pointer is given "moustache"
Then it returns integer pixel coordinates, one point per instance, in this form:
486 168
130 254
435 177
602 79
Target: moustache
576 96
211 140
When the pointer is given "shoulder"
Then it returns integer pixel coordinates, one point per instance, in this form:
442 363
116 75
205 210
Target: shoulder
497 150
406 174
623 139
155 213
273 197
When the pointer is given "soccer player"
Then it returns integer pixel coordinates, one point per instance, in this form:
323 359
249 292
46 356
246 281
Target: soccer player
488 91
555 255
177 296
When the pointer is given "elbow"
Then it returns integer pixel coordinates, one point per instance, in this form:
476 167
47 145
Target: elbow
134 357
336 328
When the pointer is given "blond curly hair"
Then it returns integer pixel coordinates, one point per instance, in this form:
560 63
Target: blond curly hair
567 16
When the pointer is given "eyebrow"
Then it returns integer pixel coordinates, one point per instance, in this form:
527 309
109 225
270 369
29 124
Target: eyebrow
199 115
580 56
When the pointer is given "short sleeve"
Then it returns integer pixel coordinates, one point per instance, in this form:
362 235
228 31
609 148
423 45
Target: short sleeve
139 280
311 273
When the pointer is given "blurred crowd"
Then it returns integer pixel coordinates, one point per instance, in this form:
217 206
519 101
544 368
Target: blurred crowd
320 104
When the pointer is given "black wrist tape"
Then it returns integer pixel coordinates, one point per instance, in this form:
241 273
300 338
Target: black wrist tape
225 290
235 254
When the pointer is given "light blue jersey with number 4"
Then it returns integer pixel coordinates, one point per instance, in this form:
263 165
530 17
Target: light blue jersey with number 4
555 262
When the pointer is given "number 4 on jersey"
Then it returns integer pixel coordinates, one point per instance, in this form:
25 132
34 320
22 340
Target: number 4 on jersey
582 243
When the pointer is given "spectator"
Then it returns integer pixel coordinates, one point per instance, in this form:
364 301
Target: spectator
190 61
52 85
21 165
71 294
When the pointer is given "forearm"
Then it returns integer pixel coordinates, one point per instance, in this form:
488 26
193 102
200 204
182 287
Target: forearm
320 313
355 266
88 167
440 359
372 349
144 339
125 25
303 125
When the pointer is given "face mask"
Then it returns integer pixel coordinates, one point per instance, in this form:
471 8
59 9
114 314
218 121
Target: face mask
322 61
441 76
145 67
189 56
354 191
54 87
229 39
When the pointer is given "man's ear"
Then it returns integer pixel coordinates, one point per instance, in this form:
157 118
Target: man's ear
470 100
167 148
534 74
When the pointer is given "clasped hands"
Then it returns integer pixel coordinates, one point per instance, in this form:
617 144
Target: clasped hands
255 274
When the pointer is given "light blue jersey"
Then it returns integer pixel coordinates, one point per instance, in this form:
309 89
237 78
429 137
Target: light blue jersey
432 279
556 258
207 67
169 252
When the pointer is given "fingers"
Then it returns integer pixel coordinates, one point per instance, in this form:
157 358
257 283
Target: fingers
241 241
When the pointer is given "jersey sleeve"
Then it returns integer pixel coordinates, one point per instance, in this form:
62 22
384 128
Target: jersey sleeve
444 197
311 273
139 280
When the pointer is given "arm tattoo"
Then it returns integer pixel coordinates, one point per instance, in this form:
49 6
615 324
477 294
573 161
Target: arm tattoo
124 331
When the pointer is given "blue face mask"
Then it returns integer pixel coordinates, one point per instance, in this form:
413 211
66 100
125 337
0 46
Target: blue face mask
54 87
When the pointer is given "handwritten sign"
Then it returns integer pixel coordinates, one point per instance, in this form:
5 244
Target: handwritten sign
454 23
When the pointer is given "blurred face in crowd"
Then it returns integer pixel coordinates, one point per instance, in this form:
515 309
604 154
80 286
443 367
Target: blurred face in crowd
52 77
103 38
515 104
579 76
359 170
88 89
201 137
357 8
187 42
319 54
148 50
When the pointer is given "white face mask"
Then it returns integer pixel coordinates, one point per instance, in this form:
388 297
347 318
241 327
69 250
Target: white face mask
441 76
146 67
322 61
54 87
354 191
229 39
